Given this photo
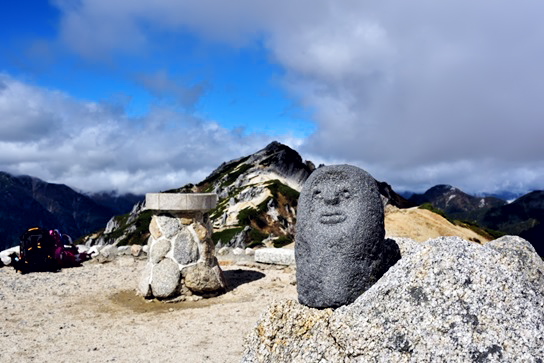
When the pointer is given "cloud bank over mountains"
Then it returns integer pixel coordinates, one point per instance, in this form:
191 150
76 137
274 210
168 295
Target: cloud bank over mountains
418 93
96 147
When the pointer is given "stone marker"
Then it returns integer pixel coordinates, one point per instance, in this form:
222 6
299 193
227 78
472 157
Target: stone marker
181 252
340 249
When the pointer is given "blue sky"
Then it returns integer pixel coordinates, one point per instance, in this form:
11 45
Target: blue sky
147 95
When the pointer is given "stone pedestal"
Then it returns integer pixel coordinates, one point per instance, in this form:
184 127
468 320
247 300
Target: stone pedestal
181 253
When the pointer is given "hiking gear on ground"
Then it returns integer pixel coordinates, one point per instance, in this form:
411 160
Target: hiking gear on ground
37 251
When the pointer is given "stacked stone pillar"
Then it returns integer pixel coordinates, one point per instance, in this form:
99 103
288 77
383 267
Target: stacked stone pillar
181 253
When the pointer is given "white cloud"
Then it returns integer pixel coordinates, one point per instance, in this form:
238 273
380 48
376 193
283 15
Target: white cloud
420 88
164 86
93 147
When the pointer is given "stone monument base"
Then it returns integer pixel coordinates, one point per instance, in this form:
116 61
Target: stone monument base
181 253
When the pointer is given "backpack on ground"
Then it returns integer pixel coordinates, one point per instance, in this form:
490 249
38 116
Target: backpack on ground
37 251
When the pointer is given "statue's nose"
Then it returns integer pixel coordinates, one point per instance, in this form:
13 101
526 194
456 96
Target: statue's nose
331 198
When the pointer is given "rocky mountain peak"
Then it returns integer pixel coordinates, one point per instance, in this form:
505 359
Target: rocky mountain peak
442 189
275 161
258 198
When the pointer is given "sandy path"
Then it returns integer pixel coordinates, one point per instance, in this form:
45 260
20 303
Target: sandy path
91 314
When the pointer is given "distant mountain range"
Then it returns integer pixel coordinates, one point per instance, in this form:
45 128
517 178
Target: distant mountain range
258 197
523 217
457 204
27 202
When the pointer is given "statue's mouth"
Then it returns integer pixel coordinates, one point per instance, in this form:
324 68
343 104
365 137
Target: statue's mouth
332 218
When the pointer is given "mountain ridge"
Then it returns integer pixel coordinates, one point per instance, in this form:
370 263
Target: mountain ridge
523 217
29 202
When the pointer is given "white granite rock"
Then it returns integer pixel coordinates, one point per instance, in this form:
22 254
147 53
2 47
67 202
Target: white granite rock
135 250
109 252
448 300
238 251
82 248
275 256
4 255
144 286
159 249
223 251
168 226
249 251
165 279
95 250
123 250
200 278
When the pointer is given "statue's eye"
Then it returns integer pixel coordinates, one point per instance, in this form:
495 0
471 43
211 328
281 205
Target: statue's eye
346 194
317 194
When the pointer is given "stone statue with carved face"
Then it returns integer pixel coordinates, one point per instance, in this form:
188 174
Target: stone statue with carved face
340 234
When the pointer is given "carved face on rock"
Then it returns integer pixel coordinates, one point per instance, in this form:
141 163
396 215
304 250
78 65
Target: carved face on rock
340 221
333 199
336 202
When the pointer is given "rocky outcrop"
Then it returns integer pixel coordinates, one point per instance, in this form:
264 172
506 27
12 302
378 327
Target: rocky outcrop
445 300
126 229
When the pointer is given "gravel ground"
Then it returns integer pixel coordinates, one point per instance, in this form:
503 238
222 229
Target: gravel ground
92 314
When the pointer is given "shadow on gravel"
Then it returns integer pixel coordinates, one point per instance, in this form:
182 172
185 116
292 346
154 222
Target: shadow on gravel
128 299
239 277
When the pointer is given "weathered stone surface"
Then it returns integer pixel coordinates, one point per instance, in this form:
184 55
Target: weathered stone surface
123 250
201 278
159 249
406 245
180 201
135 250
223 251
165 280
145 249
290 332
207 252
108 253
154 229
169 225
4 255
447 300
340 250
201 231
251 252
144 287
185 248
275 256
237 251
